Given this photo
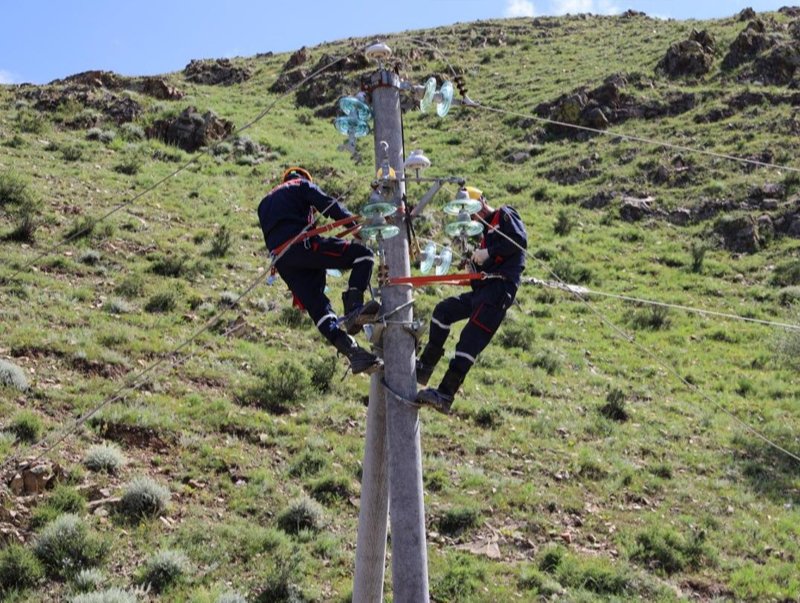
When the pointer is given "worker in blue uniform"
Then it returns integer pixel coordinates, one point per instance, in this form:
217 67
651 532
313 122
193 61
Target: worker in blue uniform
284 213
501 257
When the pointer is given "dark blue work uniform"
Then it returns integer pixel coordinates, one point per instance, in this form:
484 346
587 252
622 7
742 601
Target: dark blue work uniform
283 214
486 304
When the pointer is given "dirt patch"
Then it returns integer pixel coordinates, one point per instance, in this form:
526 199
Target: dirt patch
133 435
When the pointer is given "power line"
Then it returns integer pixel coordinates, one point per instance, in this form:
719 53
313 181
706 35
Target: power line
207 151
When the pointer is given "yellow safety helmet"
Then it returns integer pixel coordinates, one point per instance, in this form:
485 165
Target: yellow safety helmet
474 193
296 172
381 174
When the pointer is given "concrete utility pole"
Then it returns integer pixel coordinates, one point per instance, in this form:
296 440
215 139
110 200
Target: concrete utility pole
409 552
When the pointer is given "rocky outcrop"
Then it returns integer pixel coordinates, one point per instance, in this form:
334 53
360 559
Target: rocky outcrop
191 130
690 58
216 72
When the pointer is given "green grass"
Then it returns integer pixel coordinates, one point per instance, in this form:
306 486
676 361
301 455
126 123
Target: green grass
563 432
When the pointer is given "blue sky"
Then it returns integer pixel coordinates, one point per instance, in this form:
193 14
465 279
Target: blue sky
43 40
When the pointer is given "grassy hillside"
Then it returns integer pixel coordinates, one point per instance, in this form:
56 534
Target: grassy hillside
578 466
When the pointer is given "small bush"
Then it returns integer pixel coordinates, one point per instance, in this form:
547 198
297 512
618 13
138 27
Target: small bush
106 458
64 499
460 581
26 225
90 257
665 550
132 132
231 598
165 569
132 286
165 301
570 272
72 152
130 164
698 256
330 489
301 514
14 190
543 585
171 265
118 306
308 462
66 546
142 498
111 595
19 568
323 371
614 408
87 580
280 583
551 558
789 296
31 122
787 274
457 521
293 317
81 228
547 361
228 299
221 242
12 376
517 335
564 223
279 388
27 426
488 417
654 318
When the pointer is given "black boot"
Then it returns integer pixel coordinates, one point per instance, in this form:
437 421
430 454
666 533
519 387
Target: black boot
441 399
427 362
356 312
361 361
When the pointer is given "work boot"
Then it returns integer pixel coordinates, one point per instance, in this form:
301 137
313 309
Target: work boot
356 312
427 362
441 399
361 361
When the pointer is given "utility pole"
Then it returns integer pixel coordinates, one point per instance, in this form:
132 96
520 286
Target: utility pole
401 428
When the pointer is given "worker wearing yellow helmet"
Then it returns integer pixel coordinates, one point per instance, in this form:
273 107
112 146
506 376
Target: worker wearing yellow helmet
501 257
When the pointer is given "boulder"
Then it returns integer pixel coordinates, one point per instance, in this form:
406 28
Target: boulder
752 40
740 234
692 57
190 130
634 209
746 14
298 58
287 80
158 88
780 64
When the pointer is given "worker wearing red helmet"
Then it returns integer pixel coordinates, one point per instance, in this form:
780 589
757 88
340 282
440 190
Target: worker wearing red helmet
284 214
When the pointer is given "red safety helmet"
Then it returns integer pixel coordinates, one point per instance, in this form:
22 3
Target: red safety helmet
296 172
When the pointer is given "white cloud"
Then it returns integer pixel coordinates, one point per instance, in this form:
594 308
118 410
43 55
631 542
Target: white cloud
520 8
6 77
574 7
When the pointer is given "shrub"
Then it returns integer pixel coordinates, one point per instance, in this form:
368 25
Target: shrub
788 296
551 558
322 372
64 499
87 580
165 301
280 584
667 551
31 122
144 497
787 346
457 521
164 569
81 228
14 190
132 132
132 286
595 574
653 318
27 426
292 317
539 582
12 376
19 568
171 265
231 598
220 242
26 225
488 417
569 272
111 595
614 408
564 223
547 361
130 164
90 257
308 462
228 299
462 579
280 386
787 274
118 306
698 256
301 514
107 458
330 489
517 335
66 546
72 152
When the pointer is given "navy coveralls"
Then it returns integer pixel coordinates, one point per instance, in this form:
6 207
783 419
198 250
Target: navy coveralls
283 213
486 304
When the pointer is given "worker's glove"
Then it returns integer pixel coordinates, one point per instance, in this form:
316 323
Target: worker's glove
479 256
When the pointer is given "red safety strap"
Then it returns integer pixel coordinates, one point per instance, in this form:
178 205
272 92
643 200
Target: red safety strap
313 232
459 279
